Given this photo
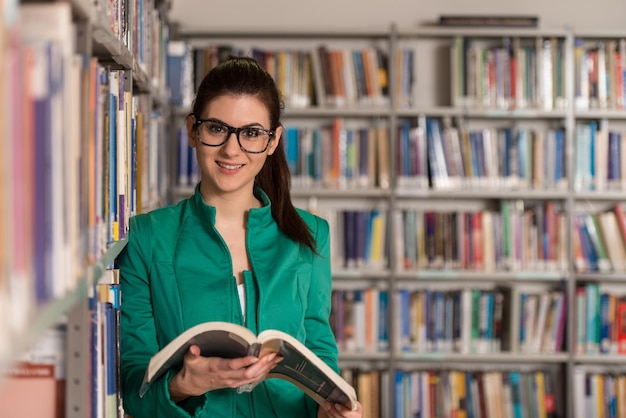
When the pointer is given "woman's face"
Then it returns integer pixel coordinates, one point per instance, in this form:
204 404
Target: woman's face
228 169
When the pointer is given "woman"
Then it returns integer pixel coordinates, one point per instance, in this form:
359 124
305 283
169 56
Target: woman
236 251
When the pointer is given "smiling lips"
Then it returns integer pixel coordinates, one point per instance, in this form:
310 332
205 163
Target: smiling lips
229 166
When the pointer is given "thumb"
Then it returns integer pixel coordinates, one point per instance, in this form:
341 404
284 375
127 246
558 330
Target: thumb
194 351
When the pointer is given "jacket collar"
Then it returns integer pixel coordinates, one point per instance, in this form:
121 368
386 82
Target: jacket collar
257 217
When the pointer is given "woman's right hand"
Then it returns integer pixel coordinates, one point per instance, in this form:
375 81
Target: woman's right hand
203 374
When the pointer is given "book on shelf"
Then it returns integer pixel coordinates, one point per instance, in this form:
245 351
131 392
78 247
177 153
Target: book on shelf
299 366
35 386
471 20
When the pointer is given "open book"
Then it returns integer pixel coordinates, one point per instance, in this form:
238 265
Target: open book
299 366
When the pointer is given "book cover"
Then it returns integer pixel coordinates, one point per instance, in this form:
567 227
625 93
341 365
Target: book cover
300 365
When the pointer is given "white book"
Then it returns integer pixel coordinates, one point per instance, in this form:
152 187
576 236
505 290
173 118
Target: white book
545 299
547 76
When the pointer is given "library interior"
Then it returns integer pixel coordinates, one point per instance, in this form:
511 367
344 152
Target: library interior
466 157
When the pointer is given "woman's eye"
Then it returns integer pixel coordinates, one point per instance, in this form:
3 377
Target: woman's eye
250 133
216 129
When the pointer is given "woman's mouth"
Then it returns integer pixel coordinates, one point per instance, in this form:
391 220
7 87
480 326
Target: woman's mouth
229 166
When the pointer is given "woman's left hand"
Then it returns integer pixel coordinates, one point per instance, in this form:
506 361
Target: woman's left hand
335 410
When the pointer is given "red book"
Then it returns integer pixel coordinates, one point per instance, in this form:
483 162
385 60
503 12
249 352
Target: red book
551 222
477 241
26 380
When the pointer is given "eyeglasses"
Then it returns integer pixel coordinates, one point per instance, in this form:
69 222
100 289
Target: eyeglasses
214 133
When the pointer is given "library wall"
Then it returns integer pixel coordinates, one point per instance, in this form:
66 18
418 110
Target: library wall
285 15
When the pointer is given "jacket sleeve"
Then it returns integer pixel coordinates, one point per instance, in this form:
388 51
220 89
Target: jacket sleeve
138 340
319 336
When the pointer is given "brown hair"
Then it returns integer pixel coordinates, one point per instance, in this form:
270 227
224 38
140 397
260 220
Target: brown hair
244 76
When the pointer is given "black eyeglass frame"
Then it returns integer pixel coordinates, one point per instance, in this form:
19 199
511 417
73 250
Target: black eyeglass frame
231 129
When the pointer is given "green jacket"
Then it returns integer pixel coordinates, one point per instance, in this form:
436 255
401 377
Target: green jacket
176 272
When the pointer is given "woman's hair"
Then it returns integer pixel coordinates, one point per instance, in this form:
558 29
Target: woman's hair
243 76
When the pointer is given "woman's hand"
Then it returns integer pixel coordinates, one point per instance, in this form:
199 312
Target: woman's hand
335 410
203 374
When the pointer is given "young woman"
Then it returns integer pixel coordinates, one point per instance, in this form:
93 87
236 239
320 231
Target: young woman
236 251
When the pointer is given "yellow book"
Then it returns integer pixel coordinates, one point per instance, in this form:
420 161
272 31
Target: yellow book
461 395
598 382
541 394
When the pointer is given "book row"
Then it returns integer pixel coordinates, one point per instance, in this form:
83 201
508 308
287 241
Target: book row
600 157
522 73
518 73
359 319
476 394
318 76
334 157
436 155
42 368
480 321
458 393
600 319
599 74
142 34
467 320
597 394
511 73
503 159
520 236
599 241
80 158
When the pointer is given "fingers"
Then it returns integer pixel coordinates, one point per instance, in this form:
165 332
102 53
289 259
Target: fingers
334 410
262 367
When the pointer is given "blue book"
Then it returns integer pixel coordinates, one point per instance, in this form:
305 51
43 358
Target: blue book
383 320
399 394
359 74
350 165
605 323
439 318
292 150
614 166
469 398
473 140
505 162
593 318
516 393
559 166
593 130
522 154
586 244
316 165
406 159
480 154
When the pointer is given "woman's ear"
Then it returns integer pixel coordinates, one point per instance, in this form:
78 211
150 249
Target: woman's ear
192 136
276 140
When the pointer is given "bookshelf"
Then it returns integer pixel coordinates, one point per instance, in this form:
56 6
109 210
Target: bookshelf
85 134
551 111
